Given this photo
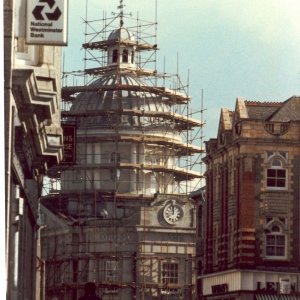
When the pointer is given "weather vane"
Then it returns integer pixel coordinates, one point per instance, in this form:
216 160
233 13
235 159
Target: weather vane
121 13
121 7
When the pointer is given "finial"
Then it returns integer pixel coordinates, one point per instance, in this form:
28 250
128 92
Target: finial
121 14
121 8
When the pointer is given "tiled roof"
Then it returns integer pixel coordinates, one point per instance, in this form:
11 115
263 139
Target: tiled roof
261 110
290 111
286 111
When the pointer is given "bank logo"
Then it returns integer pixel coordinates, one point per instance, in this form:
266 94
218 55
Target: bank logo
46 12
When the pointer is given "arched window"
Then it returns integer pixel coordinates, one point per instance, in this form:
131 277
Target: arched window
125 56
275 242
276 174
115 56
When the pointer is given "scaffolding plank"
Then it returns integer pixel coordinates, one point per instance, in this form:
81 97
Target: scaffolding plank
108 43
159 140
135 112
162 91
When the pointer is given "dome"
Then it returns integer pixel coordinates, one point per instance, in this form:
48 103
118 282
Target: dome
121 34
110 100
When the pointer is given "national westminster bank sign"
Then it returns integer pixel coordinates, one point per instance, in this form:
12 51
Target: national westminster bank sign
46 22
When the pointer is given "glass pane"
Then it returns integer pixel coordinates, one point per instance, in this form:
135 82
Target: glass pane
281 173
281 182
280 240
276 163
275 229
280 251
271 182
270 251
270 239
271 173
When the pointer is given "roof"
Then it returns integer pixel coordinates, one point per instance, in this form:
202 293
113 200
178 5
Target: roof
128 101
286 111
290 111
121 34
261 110
109 99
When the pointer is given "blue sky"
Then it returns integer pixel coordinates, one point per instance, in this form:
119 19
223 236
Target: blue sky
230 48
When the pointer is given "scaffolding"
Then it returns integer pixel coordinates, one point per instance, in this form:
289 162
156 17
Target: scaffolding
135 154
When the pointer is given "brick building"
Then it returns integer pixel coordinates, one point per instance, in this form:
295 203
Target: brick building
252 203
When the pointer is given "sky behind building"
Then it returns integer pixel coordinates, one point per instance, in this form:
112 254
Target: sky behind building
230 48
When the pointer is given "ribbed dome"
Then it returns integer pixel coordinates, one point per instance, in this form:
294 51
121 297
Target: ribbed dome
110 100
121 34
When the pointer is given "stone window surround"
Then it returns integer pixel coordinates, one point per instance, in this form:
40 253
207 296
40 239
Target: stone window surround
270 159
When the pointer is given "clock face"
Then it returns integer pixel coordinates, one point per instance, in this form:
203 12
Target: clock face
172 213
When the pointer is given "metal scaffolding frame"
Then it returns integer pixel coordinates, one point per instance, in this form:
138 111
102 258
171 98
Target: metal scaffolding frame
73 247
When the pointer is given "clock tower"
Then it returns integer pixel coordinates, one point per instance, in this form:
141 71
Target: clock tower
123 217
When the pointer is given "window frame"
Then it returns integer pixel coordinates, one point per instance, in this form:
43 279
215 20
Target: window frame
275 230
169 275
276 176
112 266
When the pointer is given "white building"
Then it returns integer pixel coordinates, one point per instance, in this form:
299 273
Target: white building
122 218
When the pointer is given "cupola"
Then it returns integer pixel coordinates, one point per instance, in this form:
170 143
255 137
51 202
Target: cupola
122 45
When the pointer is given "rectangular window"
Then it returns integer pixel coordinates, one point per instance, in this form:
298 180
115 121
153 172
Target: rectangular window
275 245
276 178
83 267
169 277
231 177
111 274
215 244
270 127
231 234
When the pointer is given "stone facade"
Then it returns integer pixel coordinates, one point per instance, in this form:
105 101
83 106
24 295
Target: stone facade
121 216
140 243
252 194
33 143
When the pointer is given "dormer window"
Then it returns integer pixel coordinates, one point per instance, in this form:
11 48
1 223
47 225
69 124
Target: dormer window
277 128
115 56
125 56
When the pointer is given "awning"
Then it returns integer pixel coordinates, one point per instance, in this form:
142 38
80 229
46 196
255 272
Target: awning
277 297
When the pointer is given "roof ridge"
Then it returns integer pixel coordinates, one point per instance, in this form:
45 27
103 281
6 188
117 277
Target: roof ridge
269 103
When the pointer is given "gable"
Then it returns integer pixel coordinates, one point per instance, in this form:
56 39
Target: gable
225 125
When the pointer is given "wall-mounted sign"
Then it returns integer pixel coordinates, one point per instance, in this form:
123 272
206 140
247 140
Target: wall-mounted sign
69 145
46 22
